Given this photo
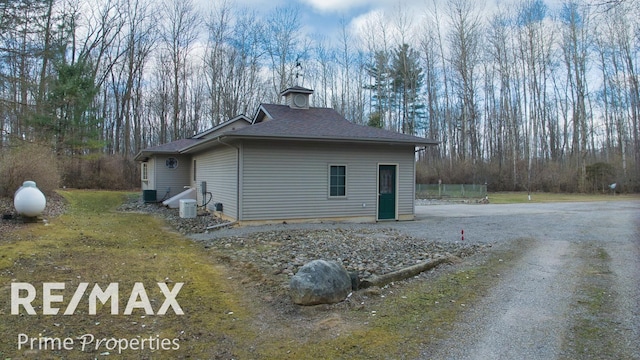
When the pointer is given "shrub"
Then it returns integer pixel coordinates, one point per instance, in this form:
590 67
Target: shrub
28 161
100 172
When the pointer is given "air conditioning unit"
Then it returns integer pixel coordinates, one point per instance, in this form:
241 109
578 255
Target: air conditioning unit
188 208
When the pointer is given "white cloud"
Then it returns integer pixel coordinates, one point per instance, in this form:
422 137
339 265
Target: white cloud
384 24
336 5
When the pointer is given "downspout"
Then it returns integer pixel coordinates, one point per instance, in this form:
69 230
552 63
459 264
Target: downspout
237 176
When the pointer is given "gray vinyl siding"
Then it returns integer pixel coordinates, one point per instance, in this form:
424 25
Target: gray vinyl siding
173 180
290 180
217 167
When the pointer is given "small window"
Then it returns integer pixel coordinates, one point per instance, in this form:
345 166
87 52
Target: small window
144 172
337 181
194 170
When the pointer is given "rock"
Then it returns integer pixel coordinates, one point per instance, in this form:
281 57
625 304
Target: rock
355 280
320 282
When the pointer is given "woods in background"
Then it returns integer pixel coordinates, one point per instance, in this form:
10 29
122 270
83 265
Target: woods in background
522 97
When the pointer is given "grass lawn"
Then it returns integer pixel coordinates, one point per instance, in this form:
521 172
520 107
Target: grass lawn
94 244
224 317
522 197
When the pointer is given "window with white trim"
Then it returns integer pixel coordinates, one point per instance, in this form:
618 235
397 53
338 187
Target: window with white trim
144 171
337 181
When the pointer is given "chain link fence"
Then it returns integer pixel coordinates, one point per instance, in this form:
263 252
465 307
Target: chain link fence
450 191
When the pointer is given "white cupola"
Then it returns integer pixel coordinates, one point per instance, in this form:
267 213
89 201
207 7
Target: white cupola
297 97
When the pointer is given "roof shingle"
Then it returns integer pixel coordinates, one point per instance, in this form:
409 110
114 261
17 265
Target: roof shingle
319 123
174 146
284 122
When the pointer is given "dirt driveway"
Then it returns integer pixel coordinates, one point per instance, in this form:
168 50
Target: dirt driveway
574 291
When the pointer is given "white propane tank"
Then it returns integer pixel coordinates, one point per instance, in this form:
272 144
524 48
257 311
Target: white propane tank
29 200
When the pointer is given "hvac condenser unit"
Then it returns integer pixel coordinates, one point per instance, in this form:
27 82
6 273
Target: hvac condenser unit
188 208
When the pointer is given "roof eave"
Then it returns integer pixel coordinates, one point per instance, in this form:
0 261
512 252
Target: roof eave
202 145
141 156
144 155
427 142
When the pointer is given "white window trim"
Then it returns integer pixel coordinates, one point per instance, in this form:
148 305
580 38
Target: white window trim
144 171
346 182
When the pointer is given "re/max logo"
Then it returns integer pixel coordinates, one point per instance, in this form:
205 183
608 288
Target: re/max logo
23 294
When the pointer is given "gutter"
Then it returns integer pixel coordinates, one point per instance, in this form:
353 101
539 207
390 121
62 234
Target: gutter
334 139
206 143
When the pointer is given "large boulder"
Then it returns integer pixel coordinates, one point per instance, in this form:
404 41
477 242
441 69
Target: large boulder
320 282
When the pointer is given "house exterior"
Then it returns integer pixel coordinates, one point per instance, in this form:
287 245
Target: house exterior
166 171
291 162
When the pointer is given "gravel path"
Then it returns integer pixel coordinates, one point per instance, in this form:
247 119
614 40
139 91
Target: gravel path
574 293
519 319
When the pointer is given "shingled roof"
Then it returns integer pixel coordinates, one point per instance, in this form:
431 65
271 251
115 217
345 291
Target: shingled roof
173 147
282 121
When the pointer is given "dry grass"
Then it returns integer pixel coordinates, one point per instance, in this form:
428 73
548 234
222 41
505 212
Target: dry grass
94 244
537 197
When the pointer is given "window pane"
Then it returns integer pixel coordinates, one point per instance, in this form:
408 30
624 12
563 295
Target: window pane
337 180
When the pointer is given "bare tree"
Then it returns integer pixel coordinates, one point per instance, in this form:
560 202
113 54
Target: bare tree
464 43
283 45
534 51
218 30
322 69
448 136
503 127
232 62
179 33
575 50
432 75
129 56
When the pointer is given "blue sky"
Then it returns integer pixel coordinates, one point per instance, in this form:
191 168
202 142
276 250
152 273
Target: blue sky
324 17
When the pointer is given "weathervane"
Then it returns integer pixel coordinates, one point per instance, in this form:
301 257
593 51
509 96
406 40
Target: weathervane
299 72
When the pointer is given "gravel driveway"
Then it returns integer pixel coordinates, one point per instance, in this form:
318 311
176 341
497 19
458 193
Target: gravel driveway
572 292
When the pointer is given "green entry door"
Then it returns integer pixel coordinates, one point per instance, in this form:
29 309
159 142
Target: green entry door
387 192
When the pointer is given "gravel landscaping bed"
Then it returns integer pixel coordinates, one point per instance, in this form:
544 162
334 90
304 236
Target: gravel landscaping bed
364 250
282 249
199 224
